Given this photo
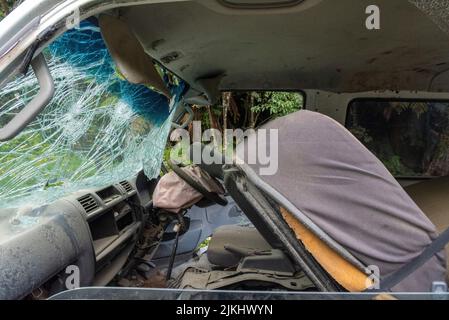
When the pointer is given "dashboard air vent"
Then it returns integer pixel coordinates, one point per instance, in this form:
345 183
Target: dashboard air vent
88 202
127 186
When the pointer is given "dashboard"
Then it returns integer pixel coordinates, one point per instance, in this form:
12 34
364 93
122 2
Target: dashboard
91 231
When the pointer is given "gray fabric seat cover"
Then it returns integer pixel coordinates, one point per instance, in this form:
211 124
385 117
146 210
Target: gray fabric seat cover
345 190
246 238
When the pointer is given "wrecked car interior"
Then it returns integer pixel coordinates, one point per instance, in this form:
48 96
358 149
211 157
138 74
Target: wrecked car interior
349 198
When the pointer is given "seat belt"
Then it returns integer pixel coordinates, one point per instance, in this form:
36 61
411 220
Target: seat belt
398 276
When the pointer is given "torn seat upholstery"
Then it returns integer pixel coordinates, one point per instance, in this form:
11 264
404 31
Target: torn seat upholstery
338 184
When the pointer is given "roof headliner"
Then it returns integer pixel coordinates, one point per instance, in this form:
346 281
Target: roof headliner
323 47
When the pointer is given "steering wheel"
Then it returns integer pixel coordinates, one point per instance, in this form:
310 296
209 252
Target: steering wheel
211 196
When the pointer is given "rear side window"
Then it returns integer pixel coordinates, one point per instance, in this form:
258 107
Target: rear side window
411 138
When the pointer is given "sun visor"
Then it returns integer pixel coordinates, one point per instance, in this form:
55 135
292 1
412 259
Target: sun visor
128 54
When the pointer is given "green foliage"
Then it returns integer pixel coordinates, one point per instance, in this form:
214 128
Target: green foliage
396 168
419 108
278 104
266 106
179 154
362 135
5 7
205 243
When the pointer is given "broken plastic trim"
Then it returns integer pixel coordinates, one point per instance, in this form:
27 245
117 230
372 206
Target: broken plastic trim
39 102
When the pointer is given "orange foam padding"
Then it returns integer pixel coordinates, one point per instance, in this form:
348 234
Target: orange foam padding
346 274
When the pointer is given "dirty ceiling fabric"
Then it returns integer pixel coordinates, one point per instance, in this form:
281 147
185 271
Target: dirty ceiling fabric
98 129
437 10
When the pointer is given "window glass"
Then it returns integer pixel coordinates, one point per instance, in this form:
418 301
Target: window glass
411 138
98 129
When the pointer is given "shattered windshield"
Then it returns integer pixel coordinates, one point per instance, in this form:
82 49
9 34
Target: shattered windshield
98 129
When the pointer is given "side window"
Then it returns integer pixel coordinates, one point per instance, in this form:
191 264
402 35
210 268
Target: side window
98 129
411 138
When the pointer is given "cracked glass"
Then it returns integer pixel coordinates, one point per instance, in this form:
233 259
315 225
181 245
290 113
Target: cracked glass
98 129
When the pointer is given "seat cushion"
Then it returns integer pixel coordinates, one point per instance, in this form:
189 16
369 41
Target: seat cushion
246 238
